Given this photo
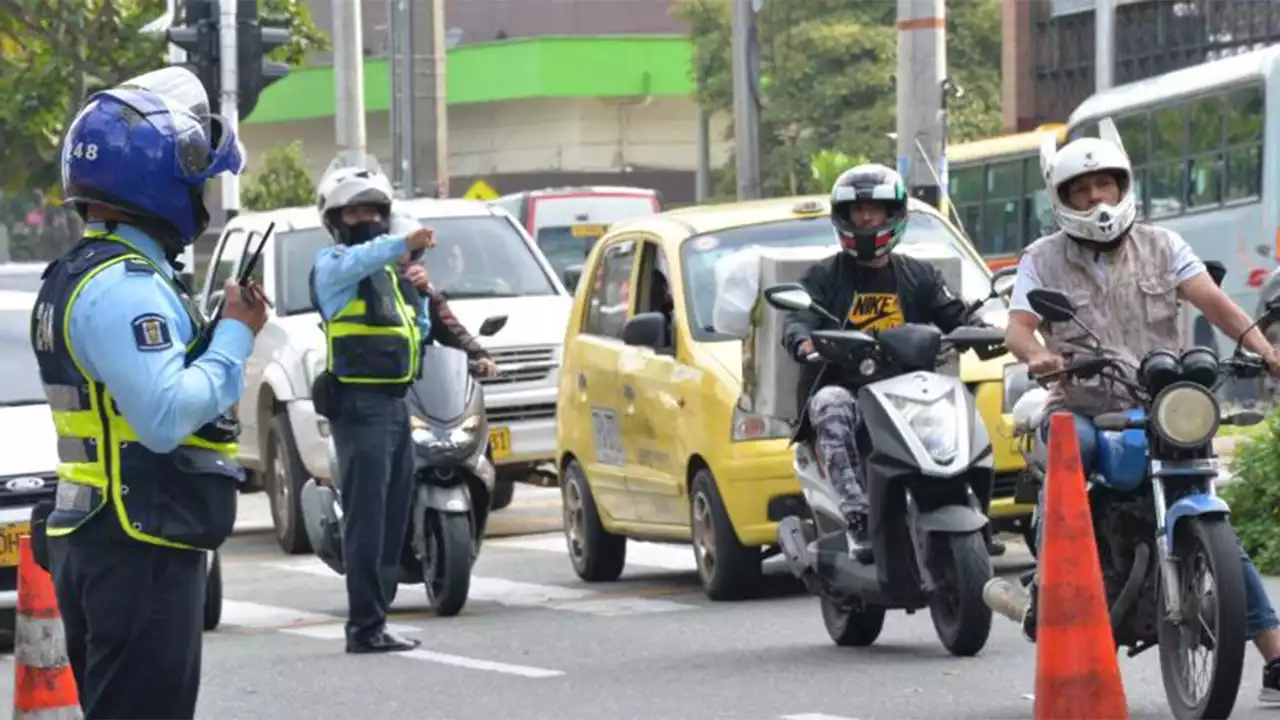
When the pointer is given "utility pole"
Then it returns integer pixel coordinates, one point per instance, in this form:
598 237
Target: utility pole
746 108
227 59
400 62
348 79
1104 28
702 181
430 148
922 72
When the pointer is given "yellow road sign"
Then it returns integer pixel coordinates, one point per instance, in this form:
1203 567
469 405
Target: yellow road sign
480 190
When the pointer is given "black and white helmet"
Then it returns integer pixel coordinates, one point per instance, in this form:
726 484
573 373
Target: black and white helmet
347 184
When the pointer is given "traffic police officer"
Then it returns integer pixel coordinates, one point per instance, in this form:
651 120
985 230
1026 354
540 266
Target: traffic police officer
137 387
373 341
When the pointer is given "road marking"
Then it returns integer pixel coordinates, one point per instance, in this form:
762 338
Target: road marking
647 554
255 615
473 664
815 716
510 593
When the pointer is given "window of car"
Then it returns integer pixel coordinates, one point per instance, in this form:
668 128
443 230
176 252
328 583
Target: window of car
609 294
700 253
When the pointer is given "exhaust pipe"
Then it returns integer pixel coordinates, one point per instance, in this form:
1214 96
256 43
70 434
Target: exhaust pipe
1007 598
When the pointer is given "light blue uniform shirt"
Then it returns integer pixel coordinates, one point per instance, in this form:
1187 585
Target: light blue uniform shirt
340 268
130 329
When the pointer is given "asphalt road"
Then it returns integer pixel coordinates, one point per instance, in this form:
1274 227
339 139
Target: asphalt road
535 642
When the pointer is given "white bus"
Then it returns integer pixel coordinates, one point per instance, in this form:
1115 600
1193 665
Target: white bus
1205 147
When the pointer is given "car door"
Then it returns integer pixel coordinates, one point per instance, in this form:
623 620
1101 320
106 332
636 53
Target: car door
652 404
594 399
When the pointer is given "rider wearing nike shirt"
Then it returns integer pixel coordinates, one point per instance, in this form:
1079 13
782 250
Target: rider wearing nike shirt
1126 280
878 290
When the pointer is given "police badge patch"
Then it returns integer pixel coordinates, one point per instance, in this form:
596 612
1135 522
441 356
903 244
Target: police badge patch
151 332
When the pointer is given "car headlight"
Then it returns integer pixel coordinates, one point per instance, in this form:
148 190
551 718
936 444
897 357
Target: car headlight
1185 415
1017 381
935 424
749 426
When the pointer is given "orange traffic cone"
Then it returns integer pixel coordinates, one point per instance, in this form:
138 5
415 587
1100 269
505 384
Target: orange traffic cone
1077 674
44 687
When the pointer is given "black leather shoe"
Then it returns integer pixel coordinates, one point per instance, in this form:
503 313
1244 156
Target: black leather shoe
383 642
996 547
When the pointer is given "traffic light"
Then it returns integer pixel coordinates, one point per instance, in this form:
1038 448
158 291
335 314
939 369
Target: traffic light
196 32
253 42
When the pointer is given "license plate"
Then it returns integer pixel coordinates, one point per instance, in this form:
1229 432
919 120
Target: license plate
500 443
588 231
9 535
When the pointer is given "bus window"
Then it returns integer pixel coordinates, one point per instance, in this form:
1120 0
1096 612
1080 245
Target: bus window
1168 184
1002 216
1206 123
966 193
1244 144
1135 132
1039 212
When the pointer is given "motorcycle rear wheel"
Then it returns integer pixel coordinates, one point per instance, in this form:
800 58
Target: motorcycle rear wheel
1209 543
446 564
960 617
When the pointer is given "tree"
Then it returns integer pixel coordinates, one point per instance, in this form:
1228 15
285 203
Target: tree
54 53
282 182
828 79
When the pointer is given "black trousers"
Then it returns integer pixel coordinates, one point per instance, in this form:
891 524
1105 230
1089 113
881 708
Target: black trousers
134 620
375 467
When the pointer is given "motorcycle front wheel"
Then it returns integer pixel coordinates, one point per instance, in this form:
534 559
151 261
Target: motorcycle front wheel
446 564
961 567
1211 588
851 623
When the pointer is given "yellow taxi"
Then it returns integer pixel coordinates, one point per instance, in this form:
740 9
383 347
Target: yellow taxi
650 441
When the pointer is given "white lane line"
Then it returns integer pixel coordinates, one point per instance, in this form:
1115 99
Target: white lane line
510 593
473 664
255 615
647 554
815 716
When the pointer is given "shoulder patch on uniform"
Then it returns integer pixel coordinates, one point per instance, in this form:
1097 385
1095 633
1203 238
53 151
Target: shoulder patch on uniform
138 266
151 332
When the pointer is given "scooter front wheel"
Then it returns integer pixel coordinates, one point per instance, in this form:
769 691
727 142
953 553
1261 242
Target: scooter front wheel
446 564
961 567
851 623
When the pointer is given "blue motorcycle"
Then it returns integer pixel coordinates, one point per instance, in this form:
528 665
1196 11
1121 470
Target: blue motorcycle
1170 560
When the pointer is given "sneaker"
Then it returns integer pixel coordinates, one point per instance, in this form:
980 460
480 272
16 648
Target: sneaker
1270 693
1029 617
859 543
996 547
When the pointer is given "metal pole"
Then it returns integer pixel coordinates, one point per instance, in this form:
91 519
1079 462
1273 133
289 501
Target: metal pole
229 110
429 98
746 111
178 56
348 79
922 62
1104 28
702 181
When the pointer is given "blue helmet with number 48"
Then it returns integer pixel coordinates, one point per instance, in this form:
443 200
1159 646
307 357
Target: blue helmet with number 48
147 148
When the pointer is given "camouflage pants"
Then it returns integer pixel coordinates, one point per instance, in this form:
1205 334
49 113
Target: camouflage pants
835 416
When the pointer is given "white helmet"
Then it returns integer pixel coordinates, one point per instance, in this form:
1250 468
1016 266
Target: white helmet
347 183
1101 226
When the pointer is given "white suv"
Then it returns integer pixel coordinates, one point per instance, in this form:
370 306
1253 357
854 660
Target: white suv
484 262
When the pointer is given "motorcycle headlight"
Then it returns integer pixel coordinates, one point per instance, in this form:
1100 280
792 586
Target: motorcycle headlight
1185 415
466 432
749 426
438 439
935 424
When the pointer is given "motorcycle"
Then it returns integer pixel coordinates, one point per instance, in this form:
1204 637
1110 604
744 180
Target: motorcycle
453 478
1158 522
926 458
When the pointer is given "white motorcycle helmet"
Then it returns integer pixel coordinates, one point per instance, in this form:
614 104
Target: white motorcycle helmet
345 184
1103 226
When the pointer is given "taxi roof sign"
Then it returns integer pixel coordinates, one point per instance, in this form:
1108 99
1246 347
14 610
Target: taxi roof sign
808 207
480 190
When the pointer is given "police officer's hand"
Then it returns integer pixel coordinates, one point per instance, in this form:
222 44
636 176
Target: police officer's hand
421 239
249 308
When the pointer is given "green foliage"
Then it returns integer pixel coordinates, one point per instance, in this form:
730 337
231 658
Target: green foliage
282 182
828 70
1255 497
828 164
54 54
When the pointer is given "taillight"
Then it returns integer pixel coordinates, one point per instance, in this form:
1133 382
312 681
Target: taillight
1257 277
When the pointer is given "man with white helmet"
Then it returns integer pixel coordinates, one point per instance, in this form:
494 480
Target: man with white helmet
1126 280
373 339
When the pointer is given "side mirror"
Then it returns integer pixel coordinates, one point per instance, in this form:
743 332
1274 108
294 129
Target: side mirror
1051 305
214 302
572 275
492 325
645 330
788 296
1245 418
1217 271
1003 280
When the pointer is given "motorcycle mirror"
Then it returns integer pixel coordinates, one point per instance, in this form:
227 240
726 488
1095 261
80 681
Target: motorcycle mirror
1051 305
1244 418
1003 280
1217 271
788 296
492 325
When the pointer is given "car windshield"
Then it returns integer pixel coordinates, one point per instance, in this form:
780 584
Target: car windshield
567 226
701 253
474 257
19 374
